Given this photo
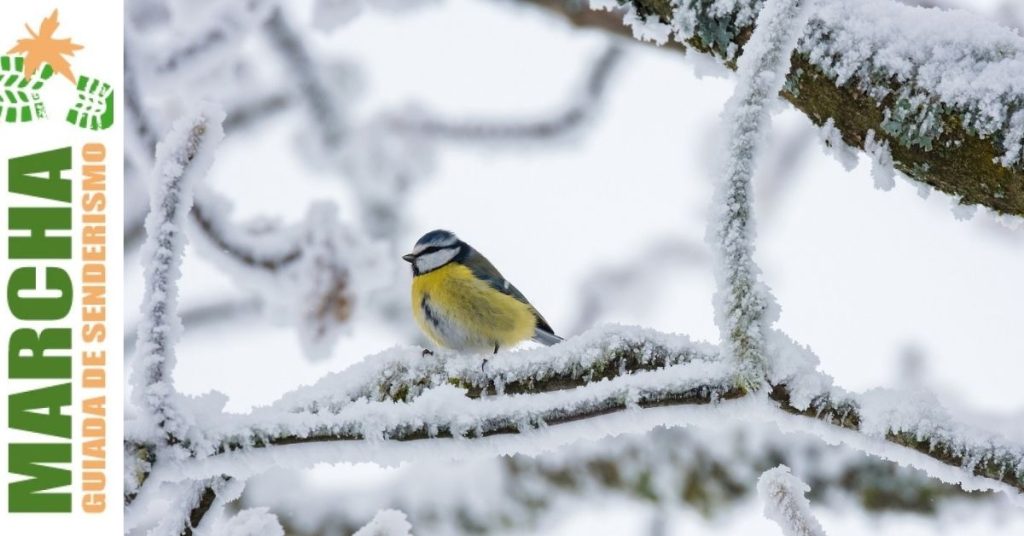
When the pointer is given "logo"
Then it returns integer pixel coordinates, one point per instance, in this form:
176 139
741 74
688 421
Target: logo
32 62
60 389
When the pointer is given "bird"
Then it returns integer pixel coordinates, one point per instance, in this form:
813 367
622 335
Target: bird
463 303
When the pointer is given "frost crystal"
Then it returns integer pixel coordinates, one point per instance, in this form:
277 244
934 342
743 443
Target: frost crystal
835 146
881 162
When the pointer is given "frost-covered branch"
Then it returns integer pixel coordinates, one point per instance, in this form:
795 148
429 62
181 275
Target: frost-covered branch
707 471
191 502
742 302
939 87
785 503
204 497
403 397
918 423
183 158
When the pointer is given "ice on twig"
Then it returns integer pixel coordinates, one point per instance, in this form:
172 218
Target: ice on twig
881 162
835 146
785 503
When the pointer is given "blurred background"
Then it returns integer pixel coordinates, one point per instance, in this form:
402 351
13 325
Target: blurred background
580 162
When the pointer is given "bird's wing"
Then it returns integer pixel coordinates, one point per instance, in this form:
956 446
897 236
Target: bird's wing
483 269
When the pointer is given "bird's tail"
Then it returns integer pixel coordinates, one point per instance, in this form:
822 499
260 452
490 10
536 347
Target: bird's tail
546 337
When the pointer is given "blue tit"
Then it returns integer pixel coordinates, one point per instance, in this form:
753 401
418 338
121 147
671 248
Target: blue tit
462 302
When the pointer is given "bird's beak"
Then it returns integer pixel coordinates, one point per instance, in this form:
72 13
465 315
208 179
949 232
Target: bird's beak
408 257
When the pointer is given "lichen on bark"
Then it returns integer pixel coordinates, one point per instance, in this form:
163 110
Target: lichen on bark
931 141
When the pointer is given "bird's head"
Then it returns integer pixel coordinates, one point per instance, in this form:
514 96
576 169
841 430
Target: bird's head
434 250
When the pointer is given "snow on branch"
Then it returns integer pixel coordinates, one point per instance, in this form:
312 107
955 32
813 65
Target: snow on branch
785 503
183 158
708 471
404 374
392 398
938 86
742 302
447 410
192 501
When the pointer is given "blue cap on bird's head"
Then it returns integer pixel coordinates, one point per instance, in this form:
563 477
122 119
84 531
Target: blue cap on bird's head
433 242
437 238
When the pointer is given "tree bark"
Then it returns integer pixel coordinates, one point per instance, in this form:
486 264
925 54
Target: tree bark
958 160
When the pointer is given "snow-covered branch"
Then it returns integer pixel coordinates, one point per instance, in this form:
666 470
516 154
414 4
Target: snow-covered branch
938 86
191 502
742 302
183 158
785 503
708 470
399 397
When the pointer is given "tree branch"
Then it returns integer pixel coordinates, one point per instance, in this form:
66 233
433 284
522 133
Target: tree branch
785 504
401 396
203 503
185 155
965 143
707 471
742 302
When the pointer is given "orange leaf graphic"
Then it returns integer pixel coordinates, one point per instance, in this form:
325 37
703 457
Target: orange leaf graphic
43 48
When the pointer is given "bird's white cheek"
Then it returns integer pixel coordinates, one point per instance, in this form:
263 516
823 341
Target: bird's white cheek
436 259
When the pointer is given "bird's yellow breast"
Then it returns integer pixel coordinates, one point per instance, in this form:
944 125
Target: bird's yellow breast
457 310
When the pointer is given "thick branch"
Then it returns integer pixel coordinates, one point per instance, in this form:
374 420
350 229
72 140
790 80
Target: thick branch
977 452
401 396
964 147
